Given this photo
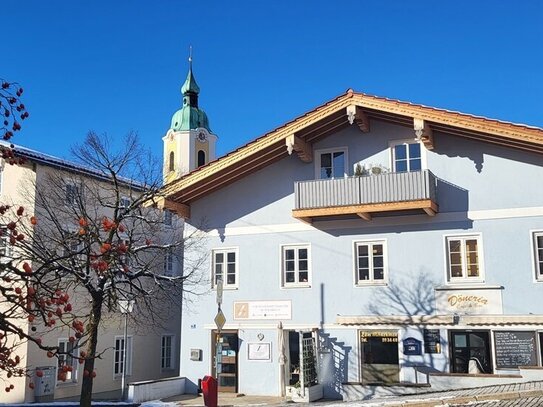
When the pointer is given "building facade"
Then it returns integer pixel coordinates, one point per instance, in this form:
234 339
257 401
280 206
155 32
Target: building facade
151 353
369 241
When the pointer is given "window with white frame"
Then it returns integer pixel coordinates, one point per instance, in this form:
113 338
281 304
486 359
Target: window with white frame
167 217
72 194
538 255
225 267
5 245
370 262
124 202
406 156
121 360
331 163
464 258
168 263
166 352
295 265
66 362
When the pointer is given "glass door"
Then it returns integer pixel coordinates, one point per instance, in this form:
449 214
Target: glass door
470 352
225 366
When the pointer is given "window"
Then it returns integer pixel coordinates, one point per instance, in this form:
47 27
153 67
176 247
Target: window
331 163
168 263
464 258
124 202
370 260
172 162
407 157
201 158
538 252
295 265
225 267
167 217
5 245
120 362
166 352
72 194
66 362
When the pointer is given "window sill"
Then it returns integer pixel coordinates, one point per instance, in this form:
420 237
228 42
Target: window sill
468 285
66 384
371 284
290 286
226 288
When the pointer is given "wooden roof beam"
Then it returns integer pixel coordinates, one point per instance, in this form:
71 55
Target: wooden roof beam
180 209
424 132
302 148
356 115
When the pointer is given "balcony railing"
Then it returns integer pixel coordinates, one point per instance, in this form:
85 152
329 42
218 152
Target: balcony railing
365 195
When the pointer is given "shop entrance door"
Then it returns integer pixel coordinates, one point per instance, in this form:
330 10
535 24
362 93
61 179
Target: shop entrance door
225 360
380 361
301 364
470 352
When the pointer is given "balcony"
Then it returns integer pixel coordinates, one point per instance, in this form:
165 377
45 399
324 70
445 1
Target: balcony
367 196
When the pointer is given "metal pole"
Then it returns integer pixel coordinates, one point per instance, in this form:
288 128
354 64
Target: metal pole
125 337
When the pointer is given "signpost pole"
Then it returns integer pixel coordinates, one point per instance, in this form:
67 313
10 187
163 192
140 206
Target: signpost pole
219 321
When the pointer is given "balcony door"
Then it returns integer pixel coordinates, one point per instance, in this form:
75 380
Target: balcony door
331 163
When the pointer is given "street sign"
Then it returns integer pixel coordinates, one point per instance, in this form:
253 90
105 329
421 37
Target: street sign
220 320
219 291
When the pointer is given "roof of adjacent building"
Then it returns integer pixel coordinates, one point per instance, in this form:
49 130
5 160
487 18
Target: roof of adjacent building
62 164
331 117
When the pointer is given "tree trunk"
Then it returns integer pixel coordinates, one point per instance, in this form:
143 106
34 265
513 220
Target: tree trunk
86 387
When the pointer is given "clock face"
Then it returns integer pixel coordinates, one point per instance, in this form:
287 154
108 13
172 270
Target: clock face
202 136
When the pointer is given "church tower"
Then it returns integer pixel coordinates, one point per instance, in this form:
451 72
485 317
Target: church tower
189 143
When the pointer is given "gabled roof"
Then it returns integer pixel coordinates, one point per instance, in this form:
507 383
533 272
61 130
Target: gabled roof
331 117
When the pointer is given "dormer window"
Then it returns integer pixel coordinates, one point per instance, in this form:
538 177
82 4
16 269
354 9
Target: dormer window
172 162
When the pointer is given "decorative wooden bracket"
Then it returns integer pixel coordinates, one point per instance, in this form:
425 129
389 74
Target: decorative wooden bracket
181 210
424 133
356 115
365 215
303 149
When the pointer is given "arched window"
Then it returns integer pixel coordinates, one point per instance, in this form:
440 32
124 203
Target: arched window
172 163
201 158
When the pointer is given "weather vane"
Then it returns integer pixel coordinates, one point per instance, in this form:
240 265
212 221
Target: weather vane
190 54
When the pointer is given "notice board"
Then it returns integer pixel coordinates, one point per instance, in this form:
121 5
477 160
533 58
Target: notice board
515 348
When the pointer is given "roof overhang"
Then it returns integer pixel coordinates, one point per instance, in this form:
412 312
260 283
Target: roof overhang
348 109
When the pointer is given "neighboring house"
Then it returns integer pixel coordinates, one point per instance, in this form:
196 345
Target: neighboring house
361 242
151 353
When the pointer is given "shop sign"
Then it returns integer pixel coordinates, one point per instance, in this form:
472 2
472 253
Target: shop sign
262 310
468 302
432 341
386 336
411 346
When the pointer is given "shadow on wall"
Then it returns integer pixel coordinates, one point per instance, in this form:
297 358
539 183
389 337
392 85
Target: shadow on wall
410 295
334 359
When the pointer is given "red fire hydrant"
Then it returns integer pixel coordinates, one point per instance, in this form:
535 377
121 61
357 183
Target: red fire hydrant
209 388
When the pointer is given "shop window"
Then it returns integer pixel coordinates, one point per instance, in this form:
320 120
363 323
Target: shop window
464 259
538 255
66 362
370 258
166 352
225 267
331 163
406 156
123 356
295 266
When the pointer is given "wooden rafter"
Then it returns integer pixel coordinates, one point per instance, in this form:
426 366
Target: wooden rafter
301 147
356 115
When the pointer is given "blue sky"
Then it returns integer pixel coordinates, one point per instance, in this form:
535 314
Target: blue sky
116 66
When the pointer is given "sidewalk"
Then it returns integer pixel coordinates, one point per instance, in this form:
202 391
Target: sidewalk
449 398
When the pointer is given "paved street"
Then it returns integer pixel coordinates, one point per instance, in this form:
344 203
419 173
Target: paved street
518 395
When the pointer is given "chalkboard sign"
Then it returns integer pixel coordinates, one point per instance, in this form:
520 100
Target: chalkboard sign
514 349
432 341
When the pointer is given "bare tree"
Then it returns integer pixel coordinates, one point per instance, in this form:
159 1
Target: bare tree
12 113
95 240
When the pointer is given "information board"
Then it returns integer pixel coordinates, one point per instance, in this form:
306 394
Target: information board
515 348
432 341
